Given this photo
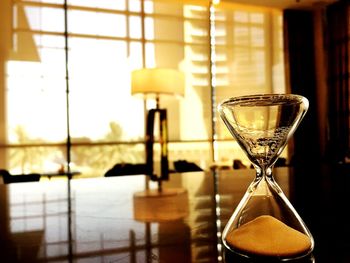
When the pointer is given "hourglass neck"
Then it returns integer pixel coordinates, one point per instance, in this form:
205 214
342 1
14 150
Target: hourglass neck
263 172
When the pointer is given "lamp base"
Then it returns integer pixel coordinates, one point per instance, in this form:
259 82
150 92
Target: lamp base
160 205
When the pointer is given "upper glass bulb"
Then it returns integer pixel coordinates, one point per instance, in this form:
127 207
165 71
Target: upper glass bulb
262 124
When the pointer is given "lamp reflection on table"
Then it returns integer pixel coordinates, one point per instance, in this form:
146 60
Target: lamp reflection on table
167 208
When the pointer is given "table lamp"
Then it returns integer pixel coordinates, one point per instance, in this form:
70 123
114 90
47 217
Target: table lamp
154 82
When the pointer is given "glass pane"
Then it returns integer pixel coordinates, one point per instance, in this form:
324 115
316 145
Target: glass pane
97 23
36 159
107 4
134 5
47 1
135 27
100 91
257 37
150 55
36 98
53 17
96 160
148 6
149 28
257 18
135 54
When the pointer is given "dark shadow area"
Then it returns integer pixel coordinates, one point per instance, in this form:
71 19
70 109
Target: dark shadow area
231 257
18 178
281 162
182 166
238 164
126 169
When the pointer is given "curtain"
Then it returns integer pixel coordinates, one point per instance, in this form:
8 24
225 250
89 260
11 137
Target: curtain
338 63
305 146
299 52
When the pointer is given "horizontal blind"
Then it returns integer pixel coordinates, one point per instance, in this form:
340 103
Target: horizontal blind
249 60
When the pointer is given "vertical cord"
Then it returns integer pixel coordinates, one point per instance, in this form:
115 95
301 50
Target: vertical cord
212 75
143 45
143 35
68 145
143 41
69 204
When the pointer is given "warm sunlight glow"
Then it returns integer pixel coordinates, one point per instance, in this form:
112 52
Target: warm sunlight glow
98 95
226 51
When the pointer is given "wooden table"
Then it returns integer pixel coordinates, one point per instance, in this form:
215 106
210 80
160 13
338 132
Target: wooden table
101 220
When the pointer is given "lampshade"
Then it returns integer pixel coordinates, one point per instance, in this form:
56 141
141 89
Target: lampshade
158 81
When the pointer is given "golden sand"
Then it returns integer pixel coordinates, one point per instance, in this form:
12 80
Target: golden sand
267 236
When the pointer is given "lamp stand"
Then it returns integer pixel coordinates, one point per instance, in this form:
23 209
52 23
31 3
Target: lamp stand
163 140
164 164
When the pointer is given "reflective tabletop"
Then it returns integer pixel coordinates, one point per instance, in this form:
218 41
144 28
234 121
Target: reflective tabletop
111 220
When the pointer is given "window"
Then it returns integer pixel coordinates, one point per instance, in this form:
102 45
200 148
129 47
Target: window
105 41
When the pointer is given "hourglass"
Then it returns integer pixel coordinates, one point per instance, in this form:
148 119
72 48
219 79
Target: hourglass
265 224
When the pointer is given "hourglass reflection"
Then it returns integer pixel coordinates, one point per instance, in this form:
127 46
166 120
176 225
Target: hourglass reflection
265 224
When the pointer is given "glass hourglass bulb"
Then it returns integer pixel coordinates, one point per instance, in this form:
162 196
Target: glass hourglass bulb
265 224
